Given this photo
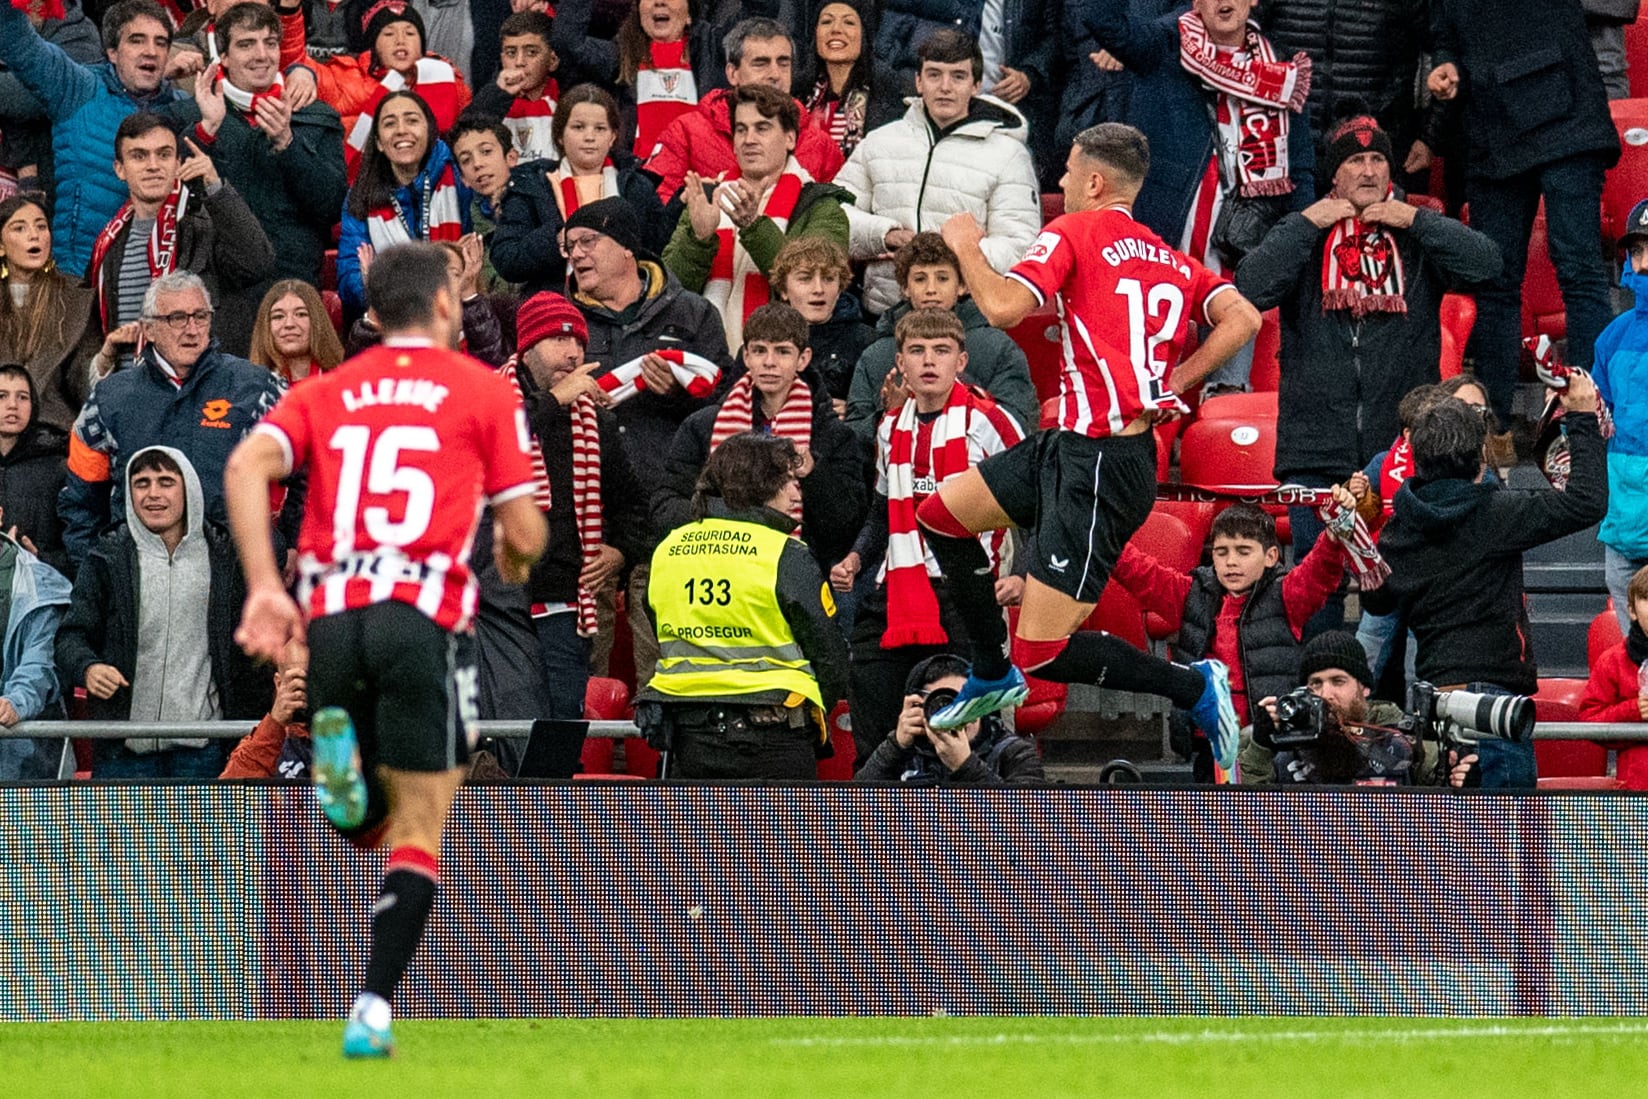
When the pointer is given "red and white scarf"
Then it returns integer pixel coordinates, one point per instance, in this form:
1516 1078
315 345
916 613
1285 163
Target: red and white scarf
530 122
664 91
1261 92
696 374
162 249
564 186
439 216
586 489
1394 473
246 102
793 422
912 608
434 80
736 286
1362 269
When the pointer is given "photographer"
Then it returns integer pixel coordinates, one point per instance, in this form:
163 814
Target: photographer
1455 545
983 753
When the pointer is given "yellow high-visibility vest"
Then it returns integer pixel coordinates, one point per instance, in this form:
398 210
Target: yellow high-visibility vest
720 631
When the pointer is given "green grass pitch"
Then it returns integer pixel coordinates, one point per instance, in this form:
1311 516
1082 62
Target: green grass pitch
1295 1058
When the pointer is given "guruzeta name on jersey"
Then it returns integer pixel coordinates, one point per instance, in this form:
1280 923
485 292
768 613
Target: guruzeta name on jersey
1128 248
422 392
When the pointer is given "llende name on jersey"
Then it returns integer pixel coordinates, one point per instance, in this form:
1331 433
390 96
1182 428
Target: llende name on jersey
422 392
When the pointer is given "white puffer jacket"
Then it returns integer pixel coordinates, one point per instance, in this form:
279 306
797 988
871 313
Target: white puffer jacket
904 176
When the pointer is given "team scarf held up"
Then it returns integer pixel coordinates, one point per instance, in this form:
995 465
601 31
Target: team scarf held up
736 286
1362 269
664 91
793 422
694 373
436 84
1261 91
564 186
162 250
586 490
912 607
530 122
247 102
439 217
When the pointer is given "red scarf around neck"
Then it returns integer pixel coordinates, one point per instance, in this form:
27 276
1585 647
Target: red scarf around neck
793 422
162 251
1362 269
1262 92
664 91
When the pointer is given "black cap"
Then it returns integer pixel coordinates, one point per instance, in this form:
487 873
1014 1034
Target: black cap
1335 649
1357 134
611 217
1636 222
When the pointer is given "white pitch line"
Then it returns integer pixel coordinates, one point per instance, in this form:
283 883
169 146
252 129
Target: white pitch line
1185 1038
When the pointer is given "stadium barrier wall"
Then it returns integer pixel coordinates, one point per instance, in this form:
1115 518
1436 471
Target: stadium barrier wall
233 901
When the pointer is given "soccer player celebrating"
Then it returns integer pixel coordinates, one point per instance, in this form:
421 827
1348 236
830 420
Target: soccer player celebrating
402 443
1125 301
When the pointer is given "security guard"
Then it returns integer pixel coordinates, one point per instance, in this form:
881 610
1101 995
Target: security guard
750 660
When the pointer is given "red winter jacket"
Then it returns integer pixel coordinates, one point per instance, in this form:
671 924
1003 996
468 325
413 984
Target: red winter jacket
701 141
1611 691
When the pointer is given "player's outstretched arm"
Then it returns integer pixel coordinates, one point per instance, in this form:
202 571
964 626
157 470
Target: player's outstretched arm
519 536
1003 301
1235 321
270 619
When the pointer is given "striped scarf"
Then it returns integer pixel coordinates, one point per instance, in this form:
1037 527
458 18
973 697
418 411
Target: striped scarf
1362 270
439 217
530 122
564 186
1261 92
697 375
912 608
664 91
162 244
246 102
434 80
793 422
736 286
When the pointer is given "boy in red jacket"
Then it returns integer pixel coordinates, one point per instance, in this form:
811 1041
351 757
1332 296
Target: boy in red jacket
1614 691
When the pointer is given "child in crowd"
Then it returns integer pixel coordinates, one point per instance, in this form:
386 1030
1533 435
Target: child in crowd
525 92
1245 608
1615 691
929 277
481 147
808 274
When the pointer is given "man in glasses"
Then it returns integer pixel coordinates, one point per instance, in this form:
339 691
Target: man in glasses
180 215
181 391
636 309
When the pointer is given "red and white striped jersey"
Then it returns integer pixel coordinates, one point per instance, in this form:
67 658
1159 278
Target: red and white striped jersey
1126 302
403 444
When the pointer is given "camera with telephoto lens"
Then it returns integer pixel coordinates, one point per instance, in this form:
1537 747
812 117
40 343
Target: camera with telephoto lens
936 700
1459 720
1301 719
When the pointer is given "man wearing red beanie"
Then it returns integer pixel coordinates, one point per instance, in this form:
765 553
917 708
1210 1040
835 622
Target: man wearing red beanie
589 493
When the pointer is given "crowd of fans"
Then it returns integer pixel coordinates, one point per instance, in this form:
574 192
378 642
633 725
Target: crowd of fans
671 222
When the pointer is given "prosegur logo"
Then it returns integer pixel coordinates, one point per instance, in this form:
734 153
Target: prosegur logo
215 414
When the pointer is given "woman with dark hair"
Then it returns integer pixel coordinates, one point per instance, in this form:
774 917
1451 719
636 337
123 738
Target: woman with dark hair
542 194
293 335
407 190
662 60
839 80
45 316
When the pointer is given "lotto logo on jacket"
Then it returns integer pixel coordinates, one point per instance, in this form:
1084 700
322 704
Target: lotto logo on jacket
215 413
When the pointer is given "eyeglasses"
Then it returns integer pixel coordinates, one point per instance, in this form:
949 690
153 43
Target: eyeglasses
571 246
178 322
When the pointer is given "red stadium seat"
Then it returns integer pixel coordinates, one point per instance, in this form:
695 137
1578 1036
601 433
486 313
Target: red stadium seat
329 270
606 699
1636 56
1234 454
1626 183
1428 202
1166 538
640 758
334 310
1558 700
1052 206
839 767
1120 614
1038 337
1267 350
1603 635
1197 518
1542 310
1458 318
1042 708
1050 412
1237 406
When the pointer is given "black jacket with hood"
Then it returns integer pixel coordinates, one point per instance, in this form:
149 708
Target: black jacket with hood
31 476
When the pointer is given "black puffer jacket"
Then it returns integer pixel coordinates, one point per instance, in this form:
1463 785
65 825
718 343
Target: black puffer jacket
31 476
1363 49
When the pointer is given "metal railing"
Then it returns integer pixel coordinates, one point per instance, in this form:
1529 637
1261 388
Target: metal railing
234 730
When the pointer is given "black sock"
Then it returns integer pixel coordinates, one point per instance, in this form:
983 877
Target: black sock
403 907
1108 661
971 584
